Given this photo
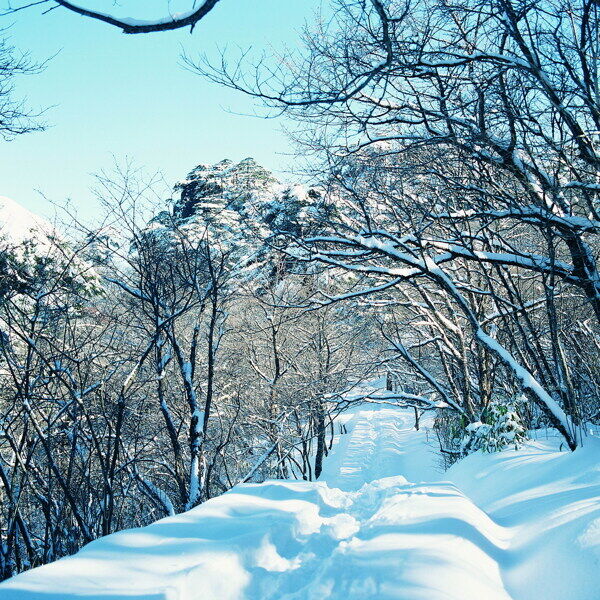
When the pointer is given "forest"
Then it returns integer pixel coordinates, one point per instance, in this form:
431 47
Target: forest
439 237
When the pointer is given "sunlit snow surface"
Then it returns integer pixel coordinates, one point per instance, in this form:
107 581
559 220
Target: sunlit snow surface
521 525
18 224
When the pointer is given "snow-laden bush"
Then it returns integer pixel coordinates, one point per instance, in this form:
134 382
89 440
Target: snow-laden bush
500 427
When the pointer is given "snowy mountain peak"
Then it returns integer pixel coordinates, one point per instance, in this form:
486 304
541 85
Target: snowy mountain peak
18 224
244 203
212 188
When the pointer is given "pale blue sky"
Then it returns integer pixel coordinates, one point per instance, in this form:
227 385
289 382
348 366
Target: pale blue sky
113 94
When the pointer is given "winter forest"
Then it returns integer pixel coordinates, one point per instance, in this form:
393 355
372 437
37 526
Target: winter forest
373 376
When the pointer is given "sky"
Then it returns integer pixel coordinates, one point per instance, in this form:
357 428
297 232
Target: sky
111 97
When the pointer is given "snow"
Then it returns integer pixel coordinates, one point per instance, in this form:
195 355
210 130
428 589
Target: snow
17 224
548 503
383 522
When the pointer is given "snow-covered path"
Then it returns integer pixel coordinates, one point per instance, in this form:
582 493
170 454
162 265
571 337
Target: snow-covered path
363 531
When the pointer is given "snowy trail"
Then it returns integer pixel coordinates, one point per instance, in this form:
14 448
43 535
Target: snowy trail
381 442
362 532
403 532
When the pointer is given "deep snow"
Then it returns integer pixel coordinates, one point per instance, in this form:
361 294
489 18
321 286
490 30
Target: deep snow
517 524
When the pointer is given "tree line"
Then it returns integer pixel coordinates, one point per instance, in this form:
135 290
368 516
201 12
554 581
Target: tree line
462 137
152 363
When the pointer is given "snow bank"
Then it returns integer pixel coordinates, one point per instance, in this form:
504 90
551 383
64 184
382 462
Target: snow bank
512 525
549 501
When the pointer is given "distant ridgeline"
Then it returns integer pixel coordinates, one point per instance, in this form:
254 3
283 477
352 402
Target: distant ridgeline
241 207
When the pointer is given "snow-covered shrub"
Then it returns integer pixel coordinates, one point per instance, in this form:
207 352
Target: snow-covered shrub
500 427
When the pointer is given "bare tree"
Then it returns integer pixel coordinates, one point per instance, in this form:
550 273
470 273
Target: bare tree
15 119
130 25
510 91
482 119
